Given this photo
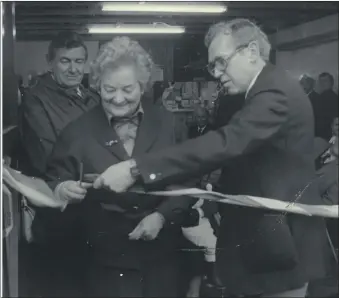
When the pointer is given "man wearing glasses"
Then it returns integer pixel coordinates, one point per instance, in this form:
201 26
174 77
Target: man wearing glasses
268 144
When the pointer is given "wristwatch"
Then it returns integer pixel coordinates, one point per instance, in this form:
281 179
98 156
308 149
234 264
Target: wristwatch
135 173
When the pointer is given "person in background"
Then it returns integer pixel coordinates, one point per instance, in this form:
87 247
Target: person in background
326 107
327 172
198 229
202 124
308 84
56 99
199 226
132 238
271 140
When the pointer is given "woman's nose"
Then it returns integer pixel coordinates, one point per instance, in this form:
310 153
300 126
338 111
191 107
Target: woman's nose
118 98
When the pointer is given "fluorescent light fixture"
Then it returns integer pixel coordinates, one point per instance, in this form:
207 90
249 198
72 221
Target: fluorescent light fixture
136 29
165 7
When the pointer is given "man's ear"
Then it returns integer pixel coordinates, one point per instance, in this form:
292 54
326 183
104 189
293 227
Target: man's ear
142 90
49 62
253 47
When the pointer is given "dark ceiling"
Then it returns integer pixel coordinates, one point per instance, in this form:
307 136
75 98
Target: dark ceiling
41 20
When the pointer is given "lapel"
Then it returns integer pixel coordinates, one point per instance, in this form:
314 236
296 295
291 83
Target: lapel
149 128
106 135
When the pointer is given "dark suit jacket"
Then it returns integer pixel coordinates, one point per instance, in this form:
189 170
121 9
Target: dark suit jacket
193 132
87 140
325 107
271 141
228 105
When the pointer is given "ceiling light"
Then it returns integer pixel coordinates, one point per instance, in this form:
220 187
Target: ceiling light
136 29
165 7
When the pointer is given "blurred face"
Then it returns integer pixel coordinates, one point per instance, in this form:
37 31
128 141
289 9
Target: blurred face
325 84
120 91
68 66
201 118
233 66
307 86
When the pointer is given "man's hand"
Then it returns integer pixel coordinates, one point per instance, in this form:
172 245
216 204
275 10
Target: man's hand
117 178
148 228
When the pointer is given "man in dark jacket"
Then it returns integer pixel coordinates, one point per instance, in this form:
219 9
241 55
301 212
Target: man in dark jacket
325 107
271 140
56 99
202 124
308 83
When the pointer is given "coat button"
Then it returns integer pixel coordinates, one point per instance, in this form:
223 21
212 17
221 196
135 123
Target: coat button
152 176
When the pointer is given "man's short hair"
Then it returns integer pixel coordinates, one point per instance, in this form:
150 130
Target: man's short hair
308 79
328 75
65 40
243 31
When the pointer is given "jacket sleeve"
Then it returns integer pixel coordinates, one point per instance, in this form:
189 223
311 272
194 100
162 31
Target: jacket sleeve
174 208
37 133
261 119
64 161
62 165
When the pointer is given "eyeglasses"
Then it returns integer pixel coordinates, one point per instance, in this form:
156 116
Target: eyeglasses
221 63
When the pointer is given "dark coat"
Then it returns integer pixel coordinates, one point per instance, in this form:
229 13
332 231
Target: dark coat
228 105
87 140
270 140
193 131
325 107
45 110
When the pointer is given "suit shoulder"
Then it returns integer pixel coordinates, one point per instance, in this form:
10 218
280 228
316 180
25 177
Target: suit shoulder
32 99
35 95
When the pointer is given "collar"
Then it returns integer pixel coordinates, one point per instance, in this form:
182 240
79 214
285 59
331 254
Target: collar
202 128
48 80
138 113
253 82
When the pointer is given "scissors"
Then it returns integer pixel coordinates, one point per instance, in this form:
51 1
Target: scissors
81 173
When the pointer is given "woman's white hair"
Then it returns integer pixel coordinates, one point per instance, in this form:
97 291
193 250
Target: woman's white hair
243 31
121 51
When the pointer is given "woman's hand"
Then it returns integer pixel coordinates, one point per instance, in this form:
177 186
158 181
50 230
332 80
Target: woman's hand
72 191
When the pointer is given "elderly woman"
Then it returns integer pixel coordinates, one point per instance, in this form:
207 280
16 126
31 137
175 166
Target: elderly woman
132 237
